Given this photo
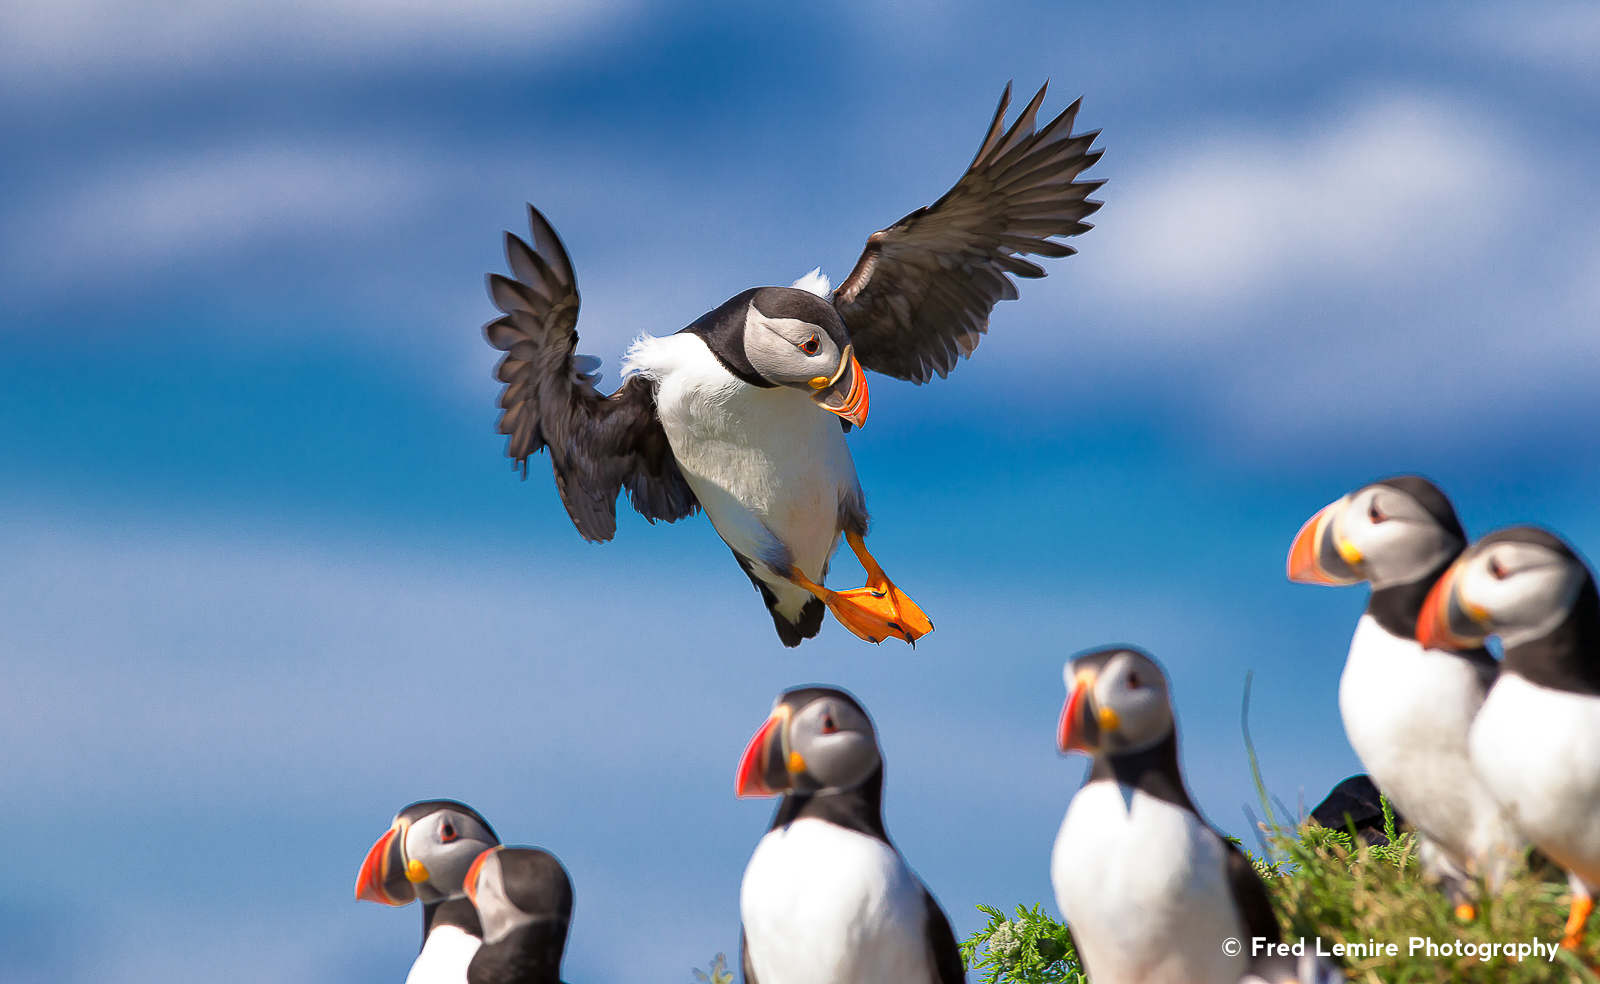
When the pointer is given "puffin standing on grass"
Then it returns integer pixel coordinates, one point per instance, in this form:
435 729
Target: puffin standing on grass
1536 741
1149 890
1407 709
425 855
743 412
827 898
524 902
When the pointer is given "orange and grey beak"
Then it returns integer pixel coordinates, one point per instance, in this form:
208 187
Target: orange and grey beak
1319 556
1078 730
1446 621
763 768
383 874
846 393
471 883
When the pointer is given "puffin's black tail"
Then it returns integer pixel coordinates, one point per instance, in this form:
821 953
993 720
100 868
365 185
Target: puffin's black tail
791 634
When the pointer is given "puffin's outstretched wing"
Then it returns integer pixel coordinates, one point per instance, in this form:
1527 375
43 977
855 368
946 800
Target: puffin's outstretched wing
922 291
598 445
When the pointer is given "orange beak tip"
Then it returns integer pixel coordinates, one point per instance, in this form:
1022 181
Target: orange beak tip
750 782
470 884
369 883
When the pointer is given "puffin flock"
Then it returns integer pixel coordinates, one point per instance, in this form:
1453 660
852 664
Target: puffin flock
743 414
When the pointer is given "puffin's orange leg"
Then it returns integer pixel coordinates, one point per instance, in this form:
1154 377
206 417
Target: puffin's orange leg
875 612
1582 905
906 612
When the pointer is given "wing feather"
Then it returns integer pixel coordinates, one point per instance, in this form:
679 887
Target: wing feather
599 445
920 296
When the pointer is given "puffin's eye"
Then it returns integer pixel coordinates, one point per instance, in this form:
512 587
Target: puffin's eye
828 725
447 832
1497 570
1375 512
811 345
1133 680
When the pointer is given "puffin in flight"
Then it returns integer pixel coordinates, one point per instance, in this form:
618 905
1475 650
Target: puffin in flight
743 412
524 902
1148 889
425 854
827 898
1536 741
1407 709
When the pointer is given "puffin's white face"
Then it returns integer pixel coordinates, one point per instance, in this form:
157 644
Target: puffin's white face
1378 534
424 854
815 740
1516 590
790 351
795 338
444 844
1117 704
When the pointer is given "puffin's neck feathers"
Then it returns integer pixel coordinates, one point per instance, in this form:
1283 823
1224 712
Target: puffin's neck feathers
529 954
1568 656
1153 771
458 912
859 808
1395 608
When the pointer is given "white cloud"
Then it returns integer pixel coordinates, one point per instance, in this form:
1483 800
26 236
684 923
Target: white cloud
1397 184
66 43
1564 36
134 216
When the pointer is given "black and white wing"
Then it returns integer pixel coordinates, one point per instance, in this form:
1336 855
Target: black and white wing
921 293
946 953
598 445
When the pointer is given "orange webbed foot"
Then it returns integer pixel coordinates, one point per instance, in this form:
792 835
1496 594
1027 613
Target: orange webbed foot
1581 907
875 612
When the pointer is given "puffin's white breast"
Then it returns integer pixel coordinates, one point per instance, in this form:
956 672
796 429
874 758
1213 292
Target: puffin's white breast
826 905
1144 886
1407 712
444 957
1538 751
758 459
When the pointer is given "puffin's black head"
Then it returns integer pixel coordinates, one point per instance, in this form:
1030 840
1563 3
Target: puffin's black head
424 854
1390 532
784 336
817 739
1117 703
513 887
1519 584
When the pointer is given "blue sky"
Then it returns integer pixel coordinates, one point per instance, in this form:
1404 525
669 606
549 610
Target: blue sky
268 578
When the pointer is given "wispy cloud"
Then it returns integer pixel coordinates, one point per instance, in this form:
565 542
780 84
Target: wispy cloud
1394 185
200 208
78 42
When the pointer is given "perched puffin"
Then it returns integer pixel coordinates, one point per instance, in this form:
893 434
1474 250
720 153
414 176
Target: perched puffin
743 412
1148 889
1536 741
1407 709
425 854
524 901
826 898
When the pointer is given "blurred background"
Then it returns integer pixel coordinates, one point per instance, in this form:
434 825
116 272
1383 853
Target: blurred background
265 577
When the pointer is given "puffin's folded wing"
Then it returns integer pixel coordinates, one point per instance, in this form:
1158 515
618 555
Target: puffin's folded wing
598 445
921 293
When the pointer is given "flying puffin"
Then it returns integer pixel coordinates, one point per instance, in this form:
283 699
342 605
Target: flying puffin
743 412
1536 741
1406 708
1149 890
425 854
524 902
826 898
